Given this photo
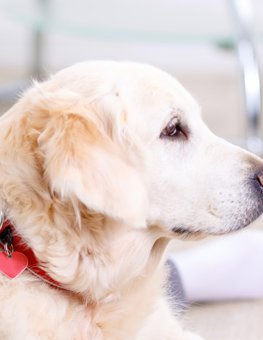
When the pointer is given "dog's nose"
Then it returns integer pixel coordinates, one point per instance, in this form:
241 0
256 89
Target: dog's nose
260 179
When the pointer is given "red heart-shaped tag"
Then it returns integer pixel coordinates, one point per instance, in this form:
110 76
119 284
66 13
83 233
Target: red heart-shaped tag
13 266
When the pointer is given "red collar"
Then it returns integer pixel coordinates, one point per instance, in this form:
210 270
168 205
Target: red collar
34 266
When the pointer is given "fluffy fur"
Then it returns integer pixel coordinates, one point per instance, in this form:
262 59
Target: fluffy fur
97 190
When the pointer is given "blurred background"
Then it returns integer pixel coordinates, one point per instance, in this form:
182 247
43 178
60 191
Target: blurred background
194 40
214 48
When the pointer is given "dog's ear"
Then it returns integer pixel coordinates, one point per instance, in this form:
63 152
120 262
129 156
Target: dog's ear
86 153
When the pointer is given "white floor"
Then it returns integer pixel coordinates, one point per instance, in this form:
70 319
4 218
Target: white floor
237 320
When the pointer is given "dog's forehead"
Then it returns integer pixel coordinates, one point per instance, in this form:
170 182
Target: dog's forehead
150 96
154 96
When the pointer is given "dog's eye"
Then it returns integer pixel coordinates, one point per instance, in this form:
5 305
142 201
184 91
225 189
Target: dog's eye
172 130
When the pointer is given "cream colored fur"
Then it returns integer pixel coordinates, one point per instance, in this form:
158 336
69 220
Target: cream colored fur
97 192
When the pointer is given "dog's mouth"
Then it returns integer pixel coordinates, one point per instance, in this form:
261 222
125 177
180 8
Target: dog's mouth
182 231
186 233
198 234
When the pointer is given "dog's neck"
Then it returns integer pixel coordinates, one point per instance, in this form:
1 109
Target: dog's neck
34 266
156 248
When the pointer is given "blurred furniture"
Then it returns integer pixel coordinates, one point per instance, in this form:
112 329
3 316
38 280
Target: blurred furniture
243 16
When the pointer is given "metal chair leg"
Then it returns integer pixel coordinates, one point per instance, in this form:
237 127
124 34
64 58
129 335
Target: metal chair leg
12 90
243 14
38 45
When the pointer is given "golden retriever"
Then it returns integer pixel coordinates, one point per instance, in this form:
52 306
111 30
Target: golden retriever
101 165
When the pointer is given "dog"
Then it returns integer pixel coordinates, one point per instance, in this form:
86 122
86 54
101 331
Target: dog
101 165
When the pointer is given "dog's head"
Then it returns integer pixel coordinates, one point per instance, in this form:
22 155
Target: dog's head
104 147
